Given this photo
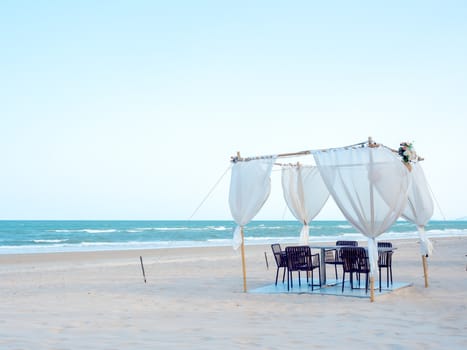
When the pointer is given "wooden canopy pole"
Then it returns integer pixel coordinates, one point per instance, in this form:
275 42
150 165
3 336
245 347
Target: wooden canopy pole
425 270
242 246
372 278
243 261
238 158
292 154
372 289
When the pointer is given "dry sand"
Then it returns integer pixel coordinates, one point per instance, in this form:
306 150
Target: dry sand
194 299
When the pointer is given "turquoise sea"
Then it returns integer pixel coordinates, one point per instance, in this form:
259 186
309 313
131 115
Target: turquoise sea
66 236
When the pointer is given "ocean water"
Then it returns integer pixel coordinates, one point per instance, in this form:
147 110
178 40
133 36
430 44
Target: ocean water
66 236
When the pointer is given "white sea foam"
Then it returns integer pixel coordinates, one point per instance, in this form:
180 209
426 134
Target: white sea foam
98 231
344 226
217 228
164 229
49 240
87 230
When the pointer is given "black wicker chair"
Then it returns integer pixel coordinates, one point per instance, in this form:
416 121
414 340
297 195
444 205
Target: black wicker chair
299 258
355 261
281 259
332 255
385 262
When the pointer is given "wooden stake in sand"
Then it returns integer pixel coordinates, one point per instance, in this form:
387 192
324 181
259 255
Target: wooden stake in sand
142 268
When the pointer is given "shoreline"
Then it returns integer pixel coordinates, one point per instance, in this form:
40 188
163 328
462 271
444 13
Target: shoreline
98 255
249 241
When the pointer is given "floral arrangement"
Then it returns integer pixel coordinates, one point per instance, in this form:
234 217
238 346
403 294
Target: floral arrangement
407 152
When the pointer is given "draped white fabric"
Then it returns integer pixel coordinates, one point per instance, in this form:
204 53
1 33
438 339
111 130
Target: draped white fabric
250 185
370 187
305 194
419 209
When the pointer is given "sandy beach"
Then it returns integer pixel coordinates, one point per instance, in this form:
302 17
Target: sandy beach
194 299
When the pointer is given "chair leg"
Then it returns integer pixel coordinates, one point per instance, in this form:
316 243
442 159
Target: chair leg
366 283
277 274
319 276
343 280
312 280
390 271
335 270
379 270
283 275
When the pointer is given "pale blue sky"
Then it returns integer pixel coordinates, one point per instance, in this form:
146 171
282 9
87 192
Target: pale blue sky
132 109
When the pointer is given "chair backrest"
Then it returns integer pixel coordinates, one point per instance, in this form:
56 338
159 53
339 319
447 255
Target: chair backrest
331 256
385 259
348 257
350 243
276 248
385 244
278 255
363 260
298 257
354 259
344 243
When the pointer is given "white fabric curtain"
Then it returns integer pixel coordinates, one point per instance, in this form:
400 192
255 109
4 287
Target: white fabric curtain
419 209
370 187
305 194
250 185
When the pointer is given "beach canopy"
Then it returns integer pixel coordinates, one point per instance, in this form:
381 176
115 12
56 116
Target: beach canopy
419 209
305 194
368 181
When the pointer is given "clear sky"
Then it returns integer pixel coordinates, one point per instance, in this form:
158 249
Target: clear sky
132 109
